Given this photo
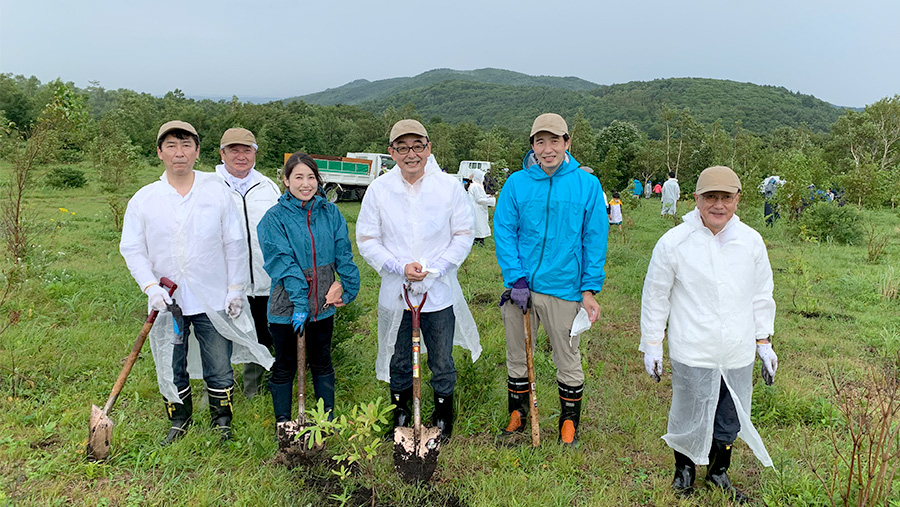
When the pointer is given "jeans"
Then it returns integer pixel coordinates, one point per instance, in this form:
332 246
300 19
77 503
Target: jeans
318 350
726 425
215 355
437 333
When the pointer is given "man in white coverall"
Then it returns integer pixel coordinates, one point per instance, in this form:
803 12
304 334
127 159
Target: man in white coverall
670 194
185 227
710 280
253 194
415 228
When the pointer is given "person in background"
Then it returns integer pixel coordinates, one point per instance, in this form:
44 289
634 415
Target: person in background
670 193
305 243
481 201
550 235
253 193
615 211
638 188
709 289
648 190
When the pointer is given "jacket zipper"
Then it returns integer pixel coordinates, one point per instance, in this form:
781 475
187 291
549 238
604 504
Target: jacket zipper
247 228
546 227
315 275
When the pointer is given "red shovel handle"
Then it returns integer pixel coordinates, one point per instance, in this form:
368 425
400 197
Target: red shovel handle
415 310
168 285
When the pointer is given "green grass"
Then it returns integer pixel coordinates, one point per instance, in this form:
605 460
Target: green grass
80 311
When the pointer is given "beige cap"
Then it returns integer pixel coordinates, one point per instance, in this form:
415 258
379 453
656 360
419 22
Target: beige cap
549 122
403 127
238 136
175 125
718 179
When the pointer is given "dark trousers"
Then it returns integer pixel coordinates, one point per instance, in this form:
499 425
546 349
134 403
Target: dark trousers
726 424
437 333
318 350
259 306
215 355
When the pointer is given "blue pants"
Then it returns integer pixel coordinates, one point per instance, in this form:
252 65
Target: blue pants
437 333
215 354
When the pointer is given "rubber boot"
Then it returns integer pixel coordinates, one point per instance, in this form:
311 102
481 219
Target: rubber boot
402 411
569 413
323 385
517 403
685 473
282 396
180 416
442 417
253 376
717 472
220 410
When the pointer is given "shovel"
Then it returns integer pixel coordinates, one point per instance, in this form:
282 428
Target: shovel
416 449
532 393
286 432
101 425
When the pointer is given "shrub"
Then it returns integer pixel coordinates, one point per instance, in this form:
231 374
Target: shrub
824 221
66 177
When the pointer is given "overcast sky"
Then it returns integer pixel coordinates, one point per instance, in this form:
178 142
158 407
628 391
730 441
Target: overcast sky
846 52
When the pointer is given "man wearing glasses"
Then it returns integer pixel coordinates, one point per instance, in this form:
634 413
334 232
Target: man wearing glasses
710 280
415 228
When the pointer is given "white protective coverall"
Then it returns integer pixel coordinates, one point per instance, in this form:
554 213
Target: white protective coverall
196 241
481 201
429 222
715 292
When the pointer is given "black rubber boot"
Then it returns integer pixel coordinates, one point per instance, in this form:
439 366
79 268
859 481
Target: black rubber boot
685 473
282 395
517 403
220 410
253 379
402 412
442 417
180 416
569 413
323 385
717 472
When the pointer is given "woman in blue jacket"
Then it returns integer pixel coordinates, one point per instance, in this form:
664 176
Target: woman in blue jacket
304 241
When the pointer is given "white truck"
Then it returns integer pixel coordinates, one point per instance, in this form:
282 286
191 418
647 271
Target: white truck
348 177
467 167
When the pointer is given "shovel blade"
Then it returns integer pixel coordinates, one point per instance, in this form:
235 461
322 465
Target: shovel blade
286 434
100 435
416 459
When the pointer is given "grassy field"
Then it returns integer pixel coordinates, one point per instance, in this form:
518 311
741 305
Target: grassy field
77 312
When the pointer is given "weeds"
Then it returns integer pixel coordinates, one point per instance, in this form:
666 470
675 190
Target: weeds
889 286
875 242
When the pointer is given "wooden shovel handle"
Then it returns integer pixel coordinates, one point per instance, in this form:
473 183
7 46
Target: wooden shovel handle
301 377
415 314
532 393
136 349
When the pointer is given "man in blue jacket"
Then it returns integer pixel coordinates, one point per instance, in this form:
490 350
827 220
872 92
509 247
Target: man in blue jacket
550 232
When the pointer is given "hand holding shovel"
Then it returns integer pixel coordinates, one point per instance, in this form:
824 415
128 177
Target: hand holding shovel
288 432
101 425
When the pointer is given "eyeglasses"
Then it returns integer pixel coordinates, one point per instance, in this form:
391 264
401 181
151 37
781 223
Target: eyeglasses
416 148
714 198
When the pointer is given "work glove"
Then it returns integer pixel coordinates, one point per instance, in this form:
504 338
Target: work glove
769 362
234 303
520 294
419 288
157 298
653 361
298 320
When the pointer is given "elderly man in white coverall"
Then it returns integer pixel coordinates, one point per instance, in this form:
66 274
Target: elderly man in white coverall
253 193
710 280
185 227
415 228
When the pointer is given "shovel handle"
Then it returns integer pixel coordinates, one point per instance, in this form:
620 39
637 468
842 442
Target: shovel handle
532 392
136 349
301 378
415 313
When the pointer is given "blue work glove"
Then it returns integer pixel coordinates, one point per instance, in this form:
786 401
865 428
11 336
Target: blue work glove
520 294
299 321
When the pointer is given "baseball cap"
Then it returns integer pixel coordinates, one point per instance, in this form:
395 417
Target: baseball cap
403 127
549 122
238 136
175 125
718 179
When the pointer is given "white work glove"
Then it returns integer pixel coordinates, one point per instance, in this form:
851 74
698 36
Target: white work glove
234 303
419 288
769 362
653 361
157 298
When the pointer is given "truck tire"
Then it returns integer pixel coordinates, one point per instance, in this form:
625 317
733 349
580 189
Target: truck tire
332 192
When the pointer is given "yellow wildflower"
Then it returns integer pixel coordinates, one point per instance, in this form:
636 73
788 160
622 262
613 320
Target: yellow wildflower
64 210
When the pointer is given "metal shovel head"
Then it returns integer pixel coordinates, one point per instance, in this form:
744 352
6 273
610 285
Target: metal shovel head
286 433
100 435
416 459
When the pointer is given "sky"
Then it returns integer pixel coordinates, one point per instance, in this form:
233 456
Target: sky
844 52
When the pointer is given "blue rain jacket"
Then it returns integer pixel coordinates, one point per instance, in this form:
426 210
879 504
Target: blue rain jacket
552 229
303 246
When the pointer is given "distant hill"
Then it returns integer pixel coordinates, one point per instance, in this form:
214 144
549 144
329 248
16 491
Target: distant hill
490 97
361 90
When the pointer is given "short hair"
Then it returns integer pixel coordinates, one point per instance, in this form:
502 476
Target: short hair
671 174
531 139
301 158
615 195
179 134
